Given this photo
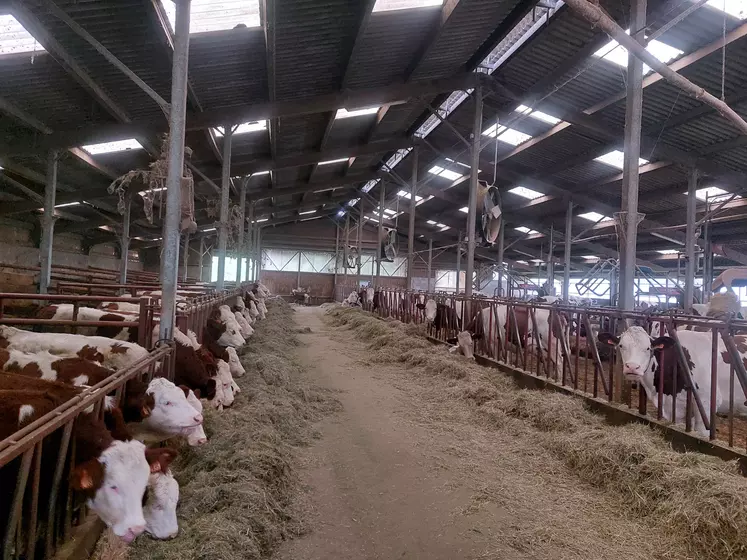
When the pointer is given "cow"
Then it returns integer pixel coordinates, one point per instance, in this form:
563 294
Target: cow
66 312
440 316
159 505
195 436
191 369
244 326
463 342
225 315
72 370
172 414
113 474
115 354
225 386
654 362
221 333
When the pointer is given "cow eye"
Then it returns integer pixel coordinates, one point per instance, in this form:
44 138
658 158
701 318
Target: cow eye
114 488
167 403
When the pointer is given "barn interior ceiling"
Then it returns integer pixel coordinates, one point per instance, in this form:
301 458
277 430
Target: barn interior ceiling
333 97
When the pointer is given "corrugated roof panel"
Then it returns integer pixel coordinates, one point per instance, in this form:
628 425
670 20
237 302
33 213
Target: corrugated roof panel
387 46
300 134
466 30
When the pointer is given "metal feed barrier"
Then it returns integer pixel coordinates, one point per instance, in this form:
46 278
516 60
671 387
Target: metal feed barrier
29 532
571 358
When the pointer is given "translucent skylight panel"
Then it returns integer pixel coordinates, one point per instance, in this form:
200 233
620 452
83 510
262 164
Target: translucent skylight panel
307 212
615 159
464 209
340 213
390 5
353 202
617 54
398 156
522 262
331 161
371 184
245 128
405 194
14 39
507 135
668 251
736 8
345 114
446 173
111 147
524 229
539 115
526 193
217 15
712 192
594 217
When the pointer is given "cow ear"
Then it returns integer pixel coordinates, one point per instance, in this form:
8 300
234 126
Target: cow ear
197 393
662 342
160 458
119 429
608 338
88 475
185 389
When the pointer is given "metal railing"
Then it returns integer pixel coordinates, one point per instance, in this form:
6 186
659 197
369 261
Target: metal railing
558 342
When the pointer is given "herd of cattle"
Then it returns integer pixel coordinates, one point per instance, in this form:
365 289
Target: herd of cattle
129 486
647 356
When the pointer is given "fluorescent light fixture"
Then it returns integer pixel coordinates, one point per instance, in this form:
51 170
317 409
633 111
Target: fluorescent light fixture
405 194
260 173
735 8
345 114
713 192
537 261
340 213
522 262
371 184
446 173
617 54
307 212
539 115
507 135
444 228
389 212
524 229
67 204
391 5
458 163
14 39
111 147
526 193
260 220
594 217
431 222
372 219
244 128
105 228
209 15
667 251
464 209
615 159
158 189
331 161
208 229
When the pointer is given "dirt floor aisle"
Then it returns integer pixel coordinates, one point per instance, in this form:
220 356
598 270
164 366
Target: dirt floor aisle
403 473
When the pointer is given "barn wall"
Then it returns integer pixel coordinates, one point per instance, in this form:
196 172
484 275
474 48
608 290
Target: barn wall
17 247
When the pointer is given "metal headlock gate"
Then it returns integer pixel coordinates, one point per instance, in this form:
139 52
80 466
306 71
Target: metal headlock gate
561 349
42 508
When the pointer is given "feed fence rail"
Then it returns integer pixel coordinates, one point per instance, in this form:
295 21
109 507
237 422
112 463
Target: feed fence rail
558 342
39 508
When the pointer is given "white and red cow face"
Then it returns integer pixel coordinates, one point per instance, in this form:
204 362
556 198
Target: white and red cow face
118 478
234 363
225 386
159 509
172 413
636 350
231 336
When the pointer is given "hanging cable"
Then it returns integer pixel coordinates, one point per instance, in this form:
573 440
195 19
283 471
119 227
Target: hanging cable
723 55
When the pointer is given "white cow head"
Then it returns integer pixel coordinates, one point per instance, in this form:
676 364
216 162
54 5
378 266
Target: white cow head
463 343
195 436
253 311
231 336
118 480
224 386
636 349
430 308
369 295
172 413
234 363
159 509
246 328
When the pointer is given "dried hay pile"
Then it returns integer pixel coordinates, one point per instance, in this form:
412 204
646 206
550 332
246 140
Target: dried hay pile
237 489
698 500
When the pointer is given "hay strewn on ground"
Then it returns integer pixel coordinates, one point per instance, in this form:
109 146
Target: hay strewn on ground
236 490
695 499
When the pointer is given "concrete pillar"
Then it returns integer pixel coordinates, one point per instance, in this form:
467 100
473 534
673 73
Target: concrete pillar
47 222
177 125
692 187
473 183
225 191
632 149
411 223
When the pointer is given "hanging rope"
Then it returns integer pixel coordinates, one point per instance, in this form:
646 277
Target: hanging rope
723 55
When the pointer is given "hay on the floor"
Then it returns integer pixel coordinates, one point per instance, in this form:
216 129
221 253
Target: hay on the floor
237 491
696 499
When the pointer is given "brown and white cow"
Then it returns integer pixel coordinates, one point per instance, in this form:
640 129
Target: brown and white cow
66 311
112 473
115 354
